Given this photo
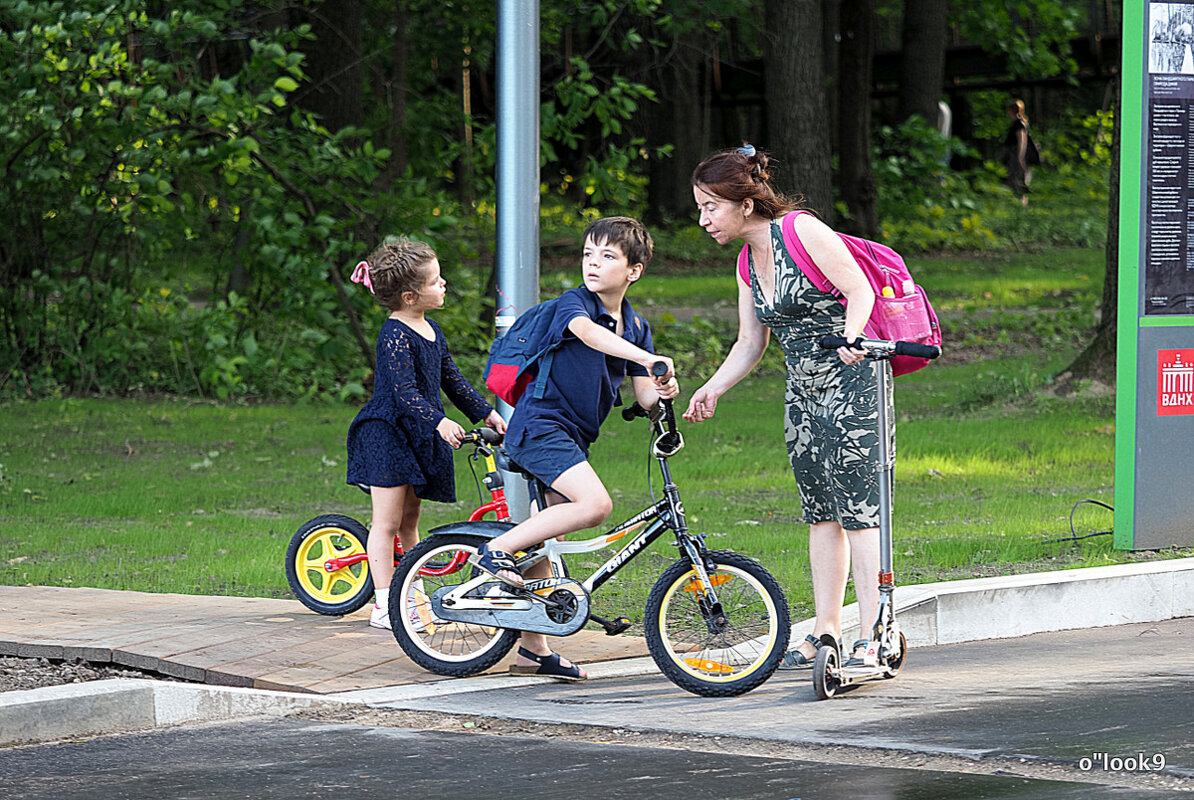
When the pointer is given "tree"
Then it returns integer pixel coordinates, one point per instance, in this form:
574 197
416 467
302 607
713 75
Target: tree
797 122
856 176
332 62
131 152
922 67
1097 361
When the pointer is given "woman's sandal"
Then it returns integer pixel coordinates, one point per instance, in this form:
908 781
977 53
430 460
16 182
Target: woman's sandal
856 660
495 562
548 665
794 659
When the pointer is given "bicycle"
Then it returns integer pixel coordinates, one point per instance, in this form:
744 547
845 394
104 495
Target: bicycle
887 647
716 621
326 563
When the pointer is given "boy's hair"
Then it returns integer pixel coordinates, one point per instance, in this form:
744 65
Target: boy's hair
627 233
396 267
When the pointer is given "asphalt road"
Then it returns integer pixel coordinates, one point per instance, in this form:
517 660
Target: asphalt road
291 759
1103 712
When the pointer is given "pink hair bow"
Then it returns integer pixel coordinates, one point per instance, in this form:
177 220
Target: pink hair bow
361 275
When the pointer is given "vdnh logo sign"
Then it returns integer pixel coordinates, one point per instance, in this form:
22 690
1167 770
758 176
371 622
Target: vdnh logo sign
1175 382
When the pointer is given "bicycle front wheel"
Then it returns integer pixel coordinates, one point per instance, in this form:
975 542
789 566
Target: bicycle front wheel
722 649
445 648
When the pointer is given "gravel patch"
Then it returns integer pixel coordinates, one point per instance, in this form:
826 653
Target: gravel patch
34 673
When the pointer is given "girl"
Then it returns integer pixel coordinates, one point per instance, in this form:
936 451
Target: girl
398 445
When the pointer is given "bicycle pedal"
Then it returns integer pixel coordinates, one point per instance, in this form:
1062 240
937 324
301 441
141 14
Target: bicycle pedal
619 625
612 627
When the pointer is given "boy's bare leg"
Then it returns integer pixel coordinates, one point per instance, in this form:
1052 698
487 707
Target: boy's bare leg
590 505
537 642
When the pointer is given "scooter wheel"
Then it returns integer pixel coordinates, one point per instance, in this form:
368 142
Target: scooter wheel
894 664
825 667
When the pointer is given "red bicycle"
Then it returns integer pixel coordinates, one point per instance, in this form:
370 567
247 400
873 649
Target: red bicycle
326 563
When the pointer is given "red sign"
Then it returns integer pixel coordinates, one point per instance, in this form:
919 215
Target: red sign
1175 382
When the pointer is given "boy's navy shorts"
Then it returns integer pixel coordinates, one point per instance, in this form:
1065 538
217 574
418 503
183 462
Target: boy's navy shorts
547 455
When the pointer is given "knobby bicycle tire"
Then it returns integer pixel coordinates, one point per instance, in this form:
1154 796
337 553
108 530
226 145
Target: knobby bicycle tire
712 654
445 648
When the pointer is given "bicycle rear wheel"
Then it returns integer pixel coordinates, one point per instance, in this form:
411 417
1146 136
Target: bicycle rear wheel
445 648
718 650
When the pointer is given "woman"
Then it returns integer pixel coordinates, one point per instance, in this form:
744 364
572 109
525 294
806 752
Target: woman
831 419
1015 151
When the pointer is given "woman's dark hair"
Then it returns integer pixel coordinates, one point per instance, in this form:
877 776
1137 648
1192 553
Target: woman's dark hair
741 173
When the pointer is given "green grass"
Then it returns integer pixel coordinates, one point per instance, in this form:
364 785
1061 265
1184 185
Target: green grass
179 496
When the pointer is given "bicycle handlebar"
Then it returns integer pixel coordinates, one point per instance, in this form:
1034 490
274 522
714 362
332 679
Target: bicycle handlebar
878 348
482 436
670 440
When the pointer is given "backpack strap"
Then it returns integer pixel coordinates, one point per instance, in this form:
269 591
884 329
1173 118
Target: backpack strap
795 250
801 257
544 367
547 355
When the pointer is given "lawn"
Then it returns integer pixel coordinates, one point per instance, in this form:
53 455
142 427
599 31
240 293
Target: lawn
175 495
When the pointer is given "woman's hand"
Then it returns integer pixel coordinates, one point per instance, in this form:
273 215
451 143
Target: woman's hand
450 432
495 421
851 355
701 406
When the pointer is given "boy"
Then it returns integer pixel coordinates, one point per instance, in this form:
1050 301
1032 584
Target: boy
603 341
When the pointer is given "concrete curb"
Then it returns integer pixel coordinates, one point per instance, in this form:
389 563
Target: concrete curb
929 614
122 705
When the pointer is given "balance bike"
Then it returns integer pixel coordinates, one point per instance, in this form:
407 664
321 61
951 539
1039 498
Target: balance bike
326 563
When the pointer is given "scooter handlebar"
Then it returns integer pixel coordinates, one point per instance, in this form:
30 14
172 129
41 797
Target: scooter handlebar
883 348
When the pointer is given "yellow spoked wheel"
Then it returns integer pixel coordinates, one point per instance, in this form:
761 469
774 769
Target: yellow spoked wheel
720 643
330 538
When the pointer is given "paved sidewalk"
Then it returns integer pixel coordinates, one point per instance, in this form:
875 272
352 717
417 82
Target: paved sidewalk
336 663
230 641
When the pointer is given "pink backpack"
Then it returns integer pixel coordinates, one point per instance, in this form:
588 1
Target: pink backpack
902 311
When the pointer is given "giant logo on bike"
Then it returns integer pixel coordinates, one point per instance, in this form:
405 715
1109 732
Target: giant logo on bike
1175 382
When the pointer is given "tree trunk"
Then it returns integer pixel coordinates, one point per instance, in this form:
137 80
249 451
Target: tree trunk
795 97
400 57
1097 361
831 37
333 64
922 67
855 176
680 118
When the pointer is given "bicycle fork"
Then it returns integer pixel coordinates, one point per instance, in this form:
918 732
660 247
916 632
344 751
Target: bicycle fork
693 549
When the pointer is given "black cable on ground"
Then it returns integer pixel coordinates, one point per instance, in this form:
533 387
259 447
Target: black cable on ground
1074 537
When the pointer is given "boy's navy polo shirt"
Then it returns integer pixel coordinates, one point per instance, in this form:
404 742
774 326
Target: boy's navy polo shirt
582 384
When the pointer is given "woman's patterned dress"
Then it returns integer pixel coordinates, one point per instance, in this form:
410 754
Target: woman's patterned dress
831 419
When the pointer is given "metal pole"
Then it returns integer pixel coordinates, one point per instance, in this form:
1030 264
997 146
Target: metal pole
517 183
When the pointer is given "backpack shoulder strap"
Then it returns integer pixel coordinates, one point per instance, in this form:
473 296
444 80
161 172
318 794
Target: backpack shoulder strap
800 255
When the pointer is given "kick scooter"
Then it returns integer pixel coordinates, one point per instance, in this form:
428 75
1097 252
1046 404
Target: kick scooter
887 648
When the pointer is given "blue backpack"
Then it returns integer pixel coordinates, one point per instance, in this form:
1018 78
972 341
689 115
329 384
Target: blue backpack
523 355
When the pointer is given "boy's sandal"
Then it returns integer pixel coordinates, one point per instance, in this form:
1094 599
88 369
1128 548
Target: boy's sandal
794 659
495 562
548 665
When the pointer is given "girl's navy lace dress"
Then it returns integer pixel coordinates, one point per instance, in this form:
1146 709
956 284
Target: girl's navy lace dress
392 441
